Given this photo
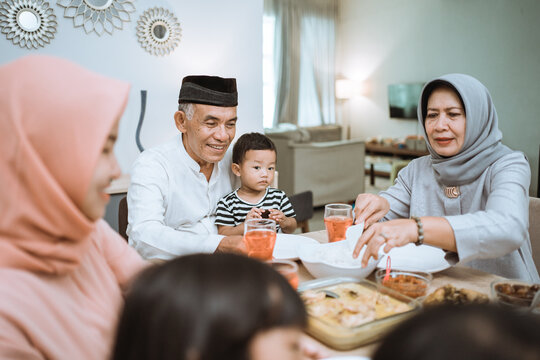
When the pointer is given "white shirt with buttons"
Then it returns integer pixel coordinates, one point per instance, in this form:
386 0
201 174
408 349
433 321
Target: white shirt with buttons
171 205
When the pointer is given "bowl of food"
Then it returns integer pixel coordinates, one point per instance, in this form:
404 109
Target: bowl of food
334 260
450 295
516 293
414 284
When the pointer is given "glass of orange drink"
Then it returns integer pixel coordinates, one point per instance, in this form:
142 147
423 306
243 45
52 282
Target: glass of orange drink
337 218
260 238
289 270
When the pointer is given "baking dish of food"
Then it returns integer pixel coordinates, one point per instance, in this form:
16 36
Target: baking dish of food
345 313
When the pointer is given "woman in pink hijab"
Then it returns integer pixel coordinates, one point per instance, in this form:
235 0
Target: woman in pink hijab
62 268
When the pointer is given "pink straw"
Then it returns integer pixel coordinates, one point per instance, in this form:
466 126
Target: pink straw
387 274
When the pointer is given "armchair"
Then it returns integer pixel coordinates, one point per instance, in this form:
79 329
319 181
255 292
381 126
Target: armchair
317 159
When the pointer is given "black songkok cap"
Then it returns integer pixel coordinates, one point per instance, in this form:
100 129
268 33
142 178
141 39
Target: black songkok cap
208 90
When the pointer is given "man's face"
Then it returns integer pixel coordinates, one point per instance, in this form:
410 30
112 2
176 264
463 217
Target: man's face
209 133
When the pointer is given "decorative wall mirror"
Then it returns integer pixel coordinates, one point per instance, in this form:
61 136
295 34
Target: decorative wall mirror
98 16
28 23
158 31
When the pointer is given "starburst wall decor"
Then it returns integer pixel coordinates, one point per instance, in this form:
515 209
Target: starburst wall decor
98 16
28 23
158 31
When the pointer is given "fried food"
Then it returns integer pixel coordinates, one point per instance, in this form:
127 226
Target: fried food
516 294
450 295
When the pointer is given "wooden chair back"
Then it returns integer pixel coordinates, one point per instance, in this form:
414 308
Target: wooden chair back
123 217
534 229
302 204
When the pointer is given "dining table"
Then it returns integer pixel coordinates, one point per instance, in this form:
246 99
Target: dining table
458 276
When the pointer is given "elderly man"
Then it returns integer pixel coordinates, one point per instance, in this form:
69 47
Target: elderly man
175 187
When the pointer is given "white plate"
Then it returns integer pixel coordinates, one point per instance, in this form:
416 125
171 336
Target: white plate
285 248
420 258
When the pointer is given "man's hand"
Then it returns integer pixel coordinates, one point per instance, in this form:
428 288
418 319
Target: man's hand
232 244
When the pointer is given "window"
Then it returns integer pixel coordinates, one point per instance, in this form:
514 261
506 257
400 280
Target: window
269 89
300 36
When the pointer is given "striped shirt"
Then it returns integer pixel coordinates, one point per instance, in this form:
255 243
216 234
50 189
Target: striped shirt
232 211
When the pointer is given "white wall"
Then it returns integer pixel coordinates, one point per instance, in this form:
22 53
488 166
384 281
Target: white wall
221 38
496 41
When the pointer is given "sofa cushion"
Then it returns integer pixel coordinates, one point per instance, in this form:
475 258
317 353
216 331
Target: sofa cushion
324 133
298 135
307 134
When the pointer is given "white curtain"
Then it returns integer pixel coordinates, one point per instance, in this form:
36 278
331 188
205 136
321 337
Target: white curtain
304 47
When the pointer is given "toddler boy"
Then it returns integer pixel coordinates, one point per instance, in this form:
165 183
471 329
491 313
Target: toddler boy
254 161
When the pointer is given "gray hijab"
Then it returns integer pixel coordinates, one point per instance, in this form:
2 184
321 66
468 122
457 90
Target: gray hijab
482 145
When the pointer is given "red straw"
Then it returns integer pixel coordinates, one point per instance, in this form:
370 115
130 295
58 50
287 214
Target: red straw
387 274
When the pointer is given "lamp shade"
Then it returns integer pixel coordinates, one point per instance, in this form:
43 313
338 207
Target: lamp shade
346 88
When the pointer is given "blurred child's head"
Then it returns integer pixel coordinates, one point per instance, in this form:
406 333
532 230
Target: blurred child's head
254 161
463 332
211 306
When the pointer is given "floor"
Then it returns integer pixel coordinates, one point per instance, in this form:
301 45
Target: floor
317 222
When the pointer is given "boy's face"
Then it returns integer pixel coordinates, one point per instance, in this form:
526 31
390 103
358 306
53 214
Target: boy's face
257 169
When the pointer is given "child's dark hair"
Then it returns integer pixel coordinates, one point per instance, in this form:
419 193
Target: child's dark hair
251 141
479 332
204 306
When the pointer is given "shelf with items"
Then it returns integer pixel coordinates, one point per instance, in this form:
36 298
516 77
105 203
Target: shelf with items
377 149
396 156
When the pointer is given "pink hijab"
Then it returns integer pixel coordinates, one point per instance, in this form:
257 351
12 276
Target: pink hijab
54 119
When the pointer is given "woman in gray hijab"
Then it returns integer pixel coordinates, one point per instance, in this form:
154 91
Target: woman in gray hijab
468 197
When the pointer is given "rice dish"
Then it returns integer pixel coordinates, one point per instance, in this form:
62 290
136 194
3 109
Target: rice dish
339 256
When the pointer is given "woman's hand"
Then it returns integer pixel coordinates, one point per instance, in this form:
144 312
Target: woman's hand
394 233
370 208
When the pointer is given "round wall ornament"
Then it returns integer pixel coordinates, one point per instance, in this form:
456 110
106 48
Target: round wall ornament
98 16
28 23
158 31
